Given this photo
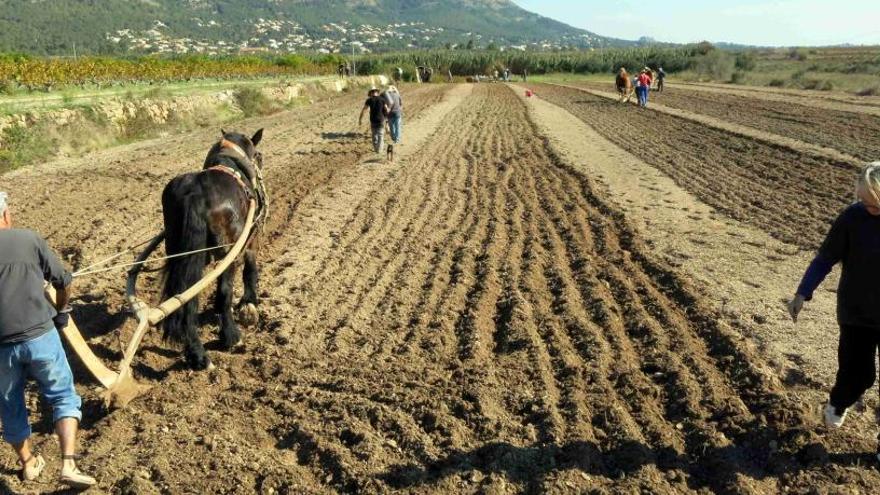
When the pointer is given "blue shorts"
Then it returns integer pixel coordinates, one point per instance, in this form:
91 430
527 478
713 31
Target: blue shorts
42 359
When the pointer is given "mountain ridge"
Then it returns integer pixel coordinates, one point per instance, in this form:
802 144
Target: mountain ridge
150 26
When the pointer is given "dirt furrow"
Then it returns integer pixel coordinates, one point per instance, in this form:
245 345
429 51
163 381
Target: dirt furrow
476 318
848 132
819 99
716 166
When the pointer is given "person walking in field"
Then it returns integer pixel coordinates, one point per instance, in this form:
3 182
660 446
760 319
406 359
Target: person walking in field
854 242
661 76
394 104
643 86
30 347
378 108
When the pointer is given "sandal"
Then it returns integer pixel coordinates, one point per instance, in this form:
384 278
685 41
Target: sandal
75 478
33 472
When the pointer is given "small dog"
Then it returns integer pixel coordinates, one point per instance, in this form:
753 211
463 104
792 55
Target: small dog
390 153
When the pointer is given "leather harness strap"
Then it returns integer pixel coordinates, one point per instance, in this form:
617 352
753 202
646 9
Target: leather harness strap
234 173
229 145
253 186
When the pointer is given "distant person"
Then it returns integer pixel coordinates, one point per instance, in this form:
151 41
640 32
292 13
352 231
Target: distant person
30 348
449 77
394 103
642 87
661 76
378 108
853 241
525 75
398 74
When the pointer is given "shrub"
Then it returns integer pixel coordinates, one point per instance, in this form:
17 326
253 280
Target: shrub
777 83
798 54
746 61
23 145
716 65
872 91
738 77
140 125
253 102
704 47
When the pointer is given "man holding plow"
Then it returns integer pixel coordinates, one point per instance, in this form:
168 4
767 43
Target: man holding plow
30 347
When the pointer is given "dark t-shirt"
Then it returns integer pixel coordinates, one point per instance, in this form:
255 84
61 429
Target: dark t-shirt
377 110
854 241
26 262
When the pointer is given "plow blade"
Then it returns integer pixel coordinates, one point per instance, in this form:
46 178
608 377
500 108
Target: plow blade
105 376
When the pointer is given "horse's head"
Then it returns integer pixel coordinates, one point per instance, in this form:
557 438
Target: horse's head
241 145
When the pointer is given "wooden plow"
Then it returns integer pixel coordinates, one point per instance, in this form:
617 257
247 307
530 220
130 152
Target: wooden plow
121 387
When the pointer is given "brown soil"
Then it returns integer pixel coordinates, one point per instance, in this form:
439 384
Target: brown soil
792 195
856 134
482 321
820 99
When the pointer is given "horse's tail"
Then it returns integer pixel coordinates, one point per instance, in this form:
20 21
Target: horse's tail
186 229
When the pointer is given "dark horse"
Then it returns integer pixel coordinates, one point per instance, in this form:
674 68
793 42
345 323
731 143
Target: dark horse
208 209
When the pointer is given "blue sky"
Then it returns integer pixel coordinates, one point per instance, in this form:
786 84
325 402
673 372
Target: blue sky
755 22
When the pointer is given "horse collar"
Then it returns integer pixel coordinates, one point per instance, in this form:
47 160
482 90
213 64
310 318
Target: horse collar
234 173
229 145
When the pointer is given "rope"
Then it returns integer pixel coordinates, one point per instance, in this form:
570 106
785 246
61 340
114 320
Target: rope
115 256
85 272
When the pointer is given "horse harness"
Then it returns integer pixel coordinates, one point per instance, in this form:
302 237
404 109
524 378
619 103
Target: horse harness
254 186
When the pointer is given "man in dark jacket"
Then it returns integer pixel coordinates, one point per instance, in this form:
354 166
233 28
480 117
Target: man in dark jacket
30 347
378 108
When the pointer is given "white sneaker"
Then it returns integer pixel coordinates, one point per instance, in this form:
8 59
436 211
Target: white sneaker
832 419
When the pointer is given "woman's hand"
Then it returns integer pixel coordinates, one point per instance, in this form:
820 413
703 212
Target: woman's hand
795 306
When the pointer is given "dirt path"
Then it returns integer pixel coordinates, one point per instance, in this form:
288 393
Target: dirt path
851 133
818 99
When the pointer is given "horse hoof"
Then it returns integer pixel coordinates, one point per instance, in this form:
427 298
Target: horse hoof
199 363
248 315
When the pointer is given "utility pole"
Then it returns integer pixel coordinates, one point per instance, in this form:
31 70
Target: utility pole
354 71
74 51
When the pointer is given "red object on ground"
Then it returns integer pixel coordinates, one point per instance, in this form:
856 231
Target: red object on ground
529 93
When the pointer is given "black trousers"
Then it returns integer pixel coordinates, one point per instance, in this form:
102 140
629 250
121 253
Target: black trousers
856 371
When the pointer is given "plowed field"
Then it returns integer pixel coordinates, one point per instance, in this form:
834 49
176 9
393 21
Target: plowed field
790 194
475 318
849 132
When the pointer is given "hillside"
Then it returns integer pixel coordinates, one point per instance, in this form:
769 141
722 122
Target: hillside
54 27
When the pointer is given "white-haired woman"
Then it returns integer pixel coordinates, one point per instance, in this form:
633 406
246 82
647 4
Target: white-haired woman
853 241
395 114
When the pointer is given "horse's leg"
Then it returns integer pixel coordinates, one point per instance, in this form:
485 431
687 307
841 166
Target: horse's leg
229 334
193 349
247 306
